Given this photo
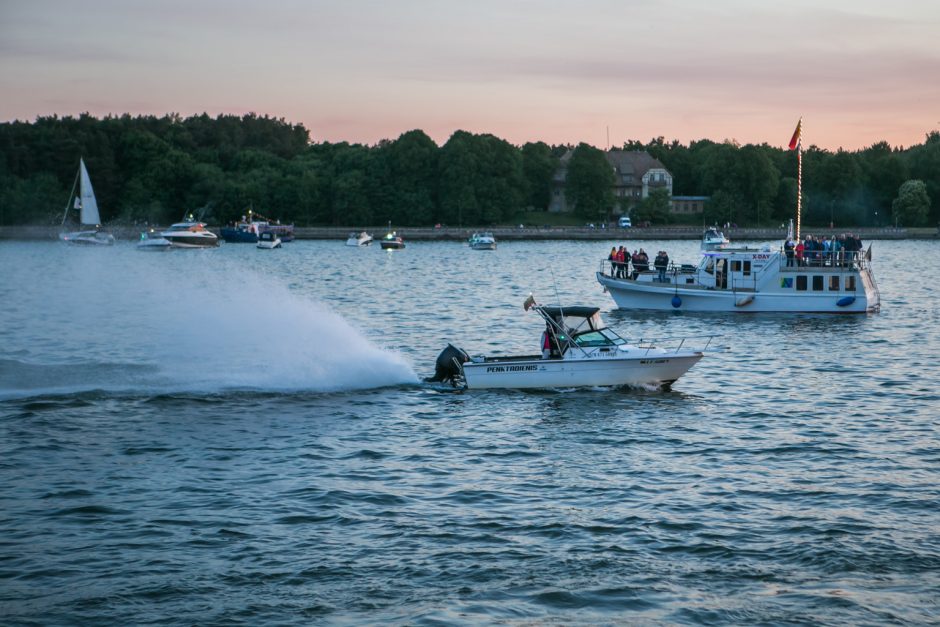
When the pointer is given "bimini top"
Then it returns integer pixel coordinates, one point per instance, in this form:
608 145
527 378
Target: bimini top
575 311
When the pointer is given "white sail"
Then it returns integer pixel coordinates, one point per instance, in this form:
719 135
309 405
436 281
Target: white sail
89 204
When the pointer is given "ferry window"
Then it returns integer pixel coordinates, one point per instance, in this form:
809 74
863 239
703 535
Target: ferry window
747 268
850 284
801 283
834 283
735 266
817 283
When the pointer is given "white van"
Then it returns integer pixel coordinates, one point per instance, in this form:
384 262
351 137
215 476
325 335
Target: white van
624 222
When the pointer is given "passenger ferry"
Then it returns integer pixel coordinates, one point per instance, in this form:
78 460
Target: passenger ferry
753 279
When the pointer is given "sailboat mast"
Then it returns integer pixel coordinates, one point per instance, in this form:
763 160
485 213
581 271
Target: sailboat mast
68 205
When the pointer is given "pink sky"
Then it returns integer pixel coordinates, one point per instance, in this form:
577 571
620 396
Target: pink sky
557 71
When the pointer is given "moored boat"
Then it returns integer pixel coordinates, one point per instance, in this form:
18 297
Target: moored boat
392 240
268 241
249 229
482 241
190 234
579 350
359 239
713 239
87 205
150 241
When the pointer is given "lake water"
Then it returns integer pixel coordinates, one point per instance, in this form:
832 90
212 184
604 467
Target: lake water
240 436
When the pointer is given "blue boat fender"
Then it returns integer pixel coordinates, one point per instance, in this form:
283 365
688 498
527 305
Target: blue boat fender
676 302
845 301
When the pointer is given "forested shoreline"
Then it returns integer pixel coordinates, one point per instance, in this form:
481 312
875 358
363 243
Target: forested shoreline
155 169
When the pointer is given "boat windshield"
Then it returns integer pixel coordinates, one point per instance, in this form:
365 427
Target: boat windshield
604 337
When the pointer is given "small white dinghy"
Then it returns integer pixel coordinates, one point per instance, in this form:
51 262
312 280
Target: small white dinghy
150 241
579 350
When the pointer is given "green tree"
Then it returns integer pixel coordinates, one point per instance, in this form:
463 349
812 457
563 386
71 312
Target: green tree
538 167
911 206
653 209
590 183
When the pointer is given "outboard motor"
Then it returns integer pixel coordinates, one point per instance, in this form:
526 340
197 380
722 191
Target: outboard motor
447 368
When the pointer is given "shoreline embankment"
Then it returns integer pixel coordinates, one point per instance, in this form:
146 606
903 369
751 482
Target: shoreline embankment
517 233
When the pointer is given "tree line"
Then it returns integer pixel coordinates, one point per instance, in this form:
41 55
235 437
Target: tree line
156 169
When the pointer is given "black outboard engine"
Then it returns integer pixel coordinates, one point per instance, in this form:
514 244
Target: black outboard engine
447 368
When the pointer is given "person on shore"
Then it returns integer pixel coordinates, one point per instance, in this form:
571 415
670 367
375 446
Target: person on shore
661 263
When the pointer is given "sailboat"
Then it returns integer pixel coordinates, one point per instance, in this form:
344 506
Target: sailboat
84 202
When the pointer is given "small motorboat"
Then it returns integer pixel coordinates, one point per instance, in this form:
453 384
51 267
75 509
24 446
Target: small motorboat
482 241
268 240
578 350
359 239
392 240
150 241
713 239
190 234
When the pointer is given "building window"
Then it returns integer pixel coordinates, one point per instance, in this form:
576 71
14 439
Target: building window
818 283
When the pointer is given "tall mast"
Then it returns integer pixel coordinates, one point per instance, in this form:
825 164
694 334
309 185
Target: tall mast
797 142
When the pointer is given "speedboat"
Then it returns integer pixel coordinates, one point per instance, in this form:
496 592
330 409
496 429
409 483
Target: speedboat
753 279
190 234
269 241
86 204
359 239
149 241
713 239
482 241
579 350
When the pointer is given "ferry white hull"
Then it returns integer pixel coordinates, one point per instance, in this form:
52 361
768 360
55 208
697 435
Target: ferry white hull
655 370
629 294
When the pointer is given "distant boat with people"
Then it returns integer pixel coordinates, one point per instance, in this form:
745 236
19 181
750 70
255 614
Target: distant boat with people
249 229
713 239
82 199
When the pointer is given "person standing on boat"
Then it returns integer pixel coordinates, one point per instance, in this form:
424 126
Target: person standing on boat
788 250
799 253
612 257
547 342
661 263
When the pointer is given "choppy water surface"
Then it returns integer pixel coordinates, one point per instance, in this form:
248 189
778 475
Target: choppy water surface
240 436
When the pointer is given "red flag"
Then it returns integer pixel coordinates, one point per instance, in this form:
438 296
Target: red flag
797 135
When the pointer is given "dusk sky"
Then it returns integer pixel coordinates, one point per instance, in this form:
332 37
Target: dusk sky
858 71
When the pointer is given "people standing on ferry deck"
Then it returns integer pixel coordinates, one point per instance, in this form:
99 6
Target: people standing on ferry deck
612 258
635 258
622 261
644 261
799 252
788 249
827 251
661 263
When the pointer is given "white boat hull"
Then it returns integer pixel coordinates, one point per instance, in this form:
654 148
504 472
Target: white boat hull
654 369
88 238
